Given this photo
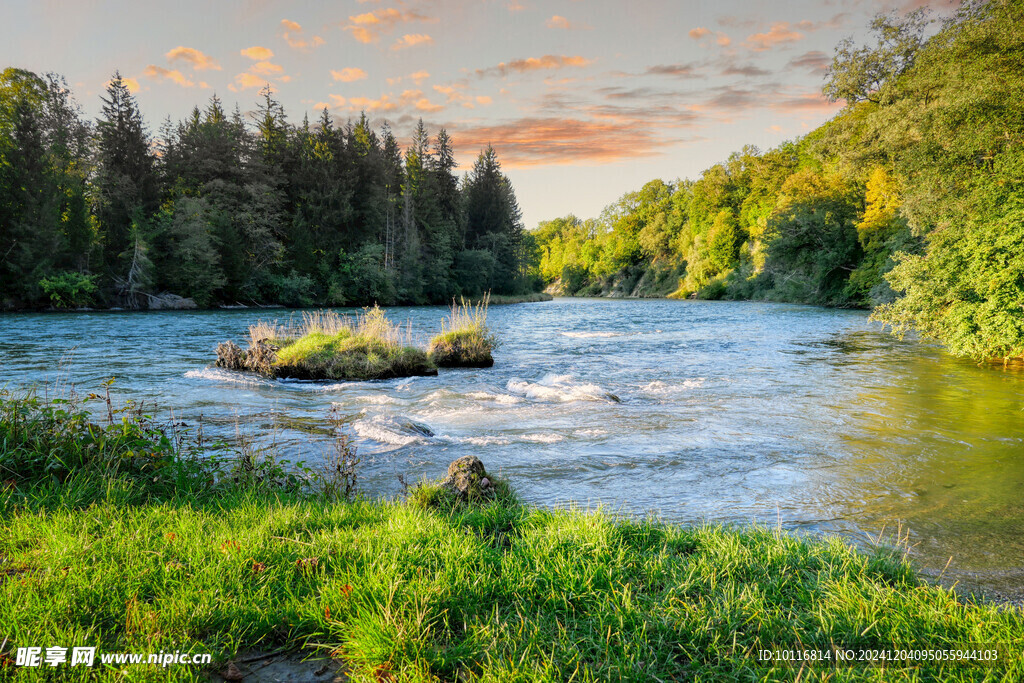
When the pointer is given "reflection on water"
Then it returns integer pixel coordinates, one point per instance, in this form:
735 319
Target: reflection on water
695 410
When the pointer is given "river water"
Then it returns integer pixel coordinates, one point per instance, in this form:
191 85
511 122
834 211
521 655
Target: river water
694 411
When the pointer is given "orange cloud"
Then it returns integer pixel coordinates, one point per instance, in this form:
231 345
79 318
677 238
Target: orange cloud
348 74
557 140
292 34
779 34
409 99
703 32
130 83
424 104
173 75
244 81
416 77
197 59
384 103
483 99
561 22
258 53
369 26
411 40
266 69
534 64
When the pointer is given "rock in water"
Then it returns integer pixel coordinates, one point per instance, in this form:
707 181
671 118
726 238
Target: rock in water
230 356
465 476
416 429
170 302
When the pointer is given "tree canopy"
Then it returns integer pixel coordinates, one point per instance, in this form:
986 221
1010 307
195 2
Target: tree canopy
909 200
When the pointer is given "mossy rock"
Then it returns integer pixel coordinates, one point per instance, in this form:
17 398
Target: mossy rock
467 478
350 357
461 349
336 357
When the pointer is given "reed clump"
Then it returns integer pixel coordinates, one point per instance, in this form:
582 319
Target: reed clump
465 340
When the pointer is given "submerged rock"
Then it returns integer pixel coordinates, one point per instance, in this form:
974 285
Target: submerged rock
415 428
466 476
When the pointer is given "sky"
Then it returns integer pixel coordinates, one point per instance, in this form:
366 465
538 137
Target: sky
583 100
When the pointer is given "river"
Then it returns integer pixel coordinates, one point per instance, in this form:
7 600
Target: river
727 412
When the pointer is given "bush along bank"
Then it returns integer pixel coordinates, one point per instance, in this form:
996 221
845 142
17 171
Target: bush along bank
118 535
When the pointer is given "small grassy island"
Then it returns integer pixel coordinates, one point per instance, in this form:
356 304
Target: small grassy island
327 346
119 537
465 340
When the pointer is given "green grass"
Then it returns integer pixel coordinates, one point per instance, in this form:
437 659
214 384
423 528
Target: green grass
344 356
465 340
432 589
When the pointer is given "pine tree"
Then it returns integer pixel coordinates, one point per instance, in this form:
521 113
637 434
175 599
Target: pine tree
126 191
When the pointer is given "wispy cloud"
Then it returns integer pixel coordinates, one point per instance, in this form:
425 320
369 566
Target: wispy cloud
814 61
702 32
409 100
348 74
781 33
266 69
160 73
258 53
246 80
412 40
559 22
292 33
678 70
750 70
540 141
198 60
534 64
369 26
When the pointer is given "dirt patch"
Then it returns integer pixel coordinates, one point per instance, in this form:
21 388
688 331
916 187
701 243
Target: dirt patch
308 666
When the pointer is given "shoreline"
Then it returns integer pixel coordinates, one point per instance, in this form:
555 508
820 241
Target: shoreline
494 300
226 555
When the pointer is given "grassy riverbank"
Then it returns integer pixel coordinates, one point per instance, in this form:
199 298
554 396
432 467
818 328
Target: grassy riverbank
119 538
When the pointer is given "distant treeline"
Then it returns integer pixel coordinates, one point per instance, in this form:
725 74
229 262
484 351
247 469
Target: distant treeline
910 200
222 209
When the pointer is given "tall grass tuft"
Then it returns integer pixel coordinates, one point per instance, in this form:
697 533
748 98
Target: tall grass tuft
465 340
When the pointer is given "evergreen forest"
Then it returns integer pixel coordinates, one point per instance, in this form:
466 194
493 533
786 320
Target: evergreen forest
229 208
